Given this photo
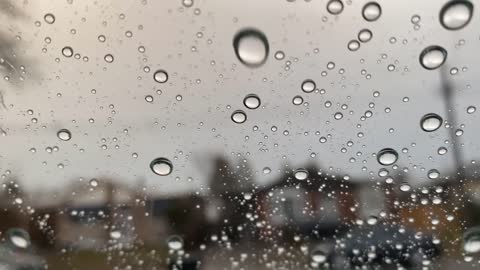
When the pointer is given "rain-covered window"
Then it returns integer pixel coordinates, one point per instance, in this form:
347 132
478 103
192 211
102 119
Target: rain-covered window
239 134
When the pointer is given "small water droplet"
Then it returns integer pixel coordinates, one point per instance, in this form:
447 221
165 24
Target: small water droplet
471 240
149 98
308 86
187 3
108 58
64 135
433 174
279 55
319 256
161 166
67 51
49 18
115 234
372 220
175 242
251 47
405 187
442 151
160 76
364 35
471 109
371 11
456 14
433 57
297 100
266 170
300 174
18 238
387 156
93 182
239 116
431 122
251 101
353 45
335 7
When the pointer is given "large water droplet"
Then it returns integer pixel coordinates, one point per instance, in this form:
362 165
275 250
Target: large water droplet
308 86
161 166
471 240
431 122
335 7
18 238
371 11
160 76
433 57
239 116
456 14
252 101
64 135
387 156
251 47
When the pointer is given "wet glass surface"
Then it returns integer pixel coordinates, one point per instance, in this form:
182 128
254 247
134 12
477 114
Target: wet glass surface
212 134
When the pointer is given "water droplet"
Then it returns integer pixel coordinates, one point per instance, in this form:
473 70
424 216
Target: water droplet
471 240
353 45
433 174
372 220
297 100
251 47
187 3
338 116
471 109
67 51
308 86
64 135
279 55
335 7
239 116
161 166
108 58
160 76
431 122
442 151
387 156
175 242
149 98
251 101
93 182
433 57
415 19
300 174
18 238
456 14
266 170
49 18
115 234
371 11
405 187
319 256
365 35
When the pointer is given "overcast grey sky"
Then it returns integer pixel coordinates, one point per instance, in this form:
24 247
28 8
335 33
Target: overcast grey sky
59 89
